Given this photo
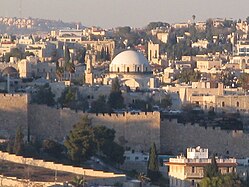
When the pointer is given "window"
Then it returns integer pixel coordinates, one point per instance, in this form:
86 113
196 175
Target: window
128 69
136 158
237 103
118 70
138 69
223 104
193 169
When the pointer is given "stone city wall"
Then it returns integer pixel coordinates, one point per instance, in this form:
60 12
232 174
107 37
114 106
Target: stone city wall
137 131
100 175
13 113
176 138
15 182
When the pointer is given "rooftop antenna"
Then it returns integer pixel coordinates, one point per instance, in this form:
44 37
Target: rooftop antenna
20 8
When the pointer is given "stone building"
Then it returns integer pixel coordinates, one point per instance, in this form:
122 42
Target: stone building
188 171
132 69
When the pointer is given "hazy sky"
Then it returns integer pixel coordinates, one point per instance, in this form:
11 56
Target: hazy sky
135 13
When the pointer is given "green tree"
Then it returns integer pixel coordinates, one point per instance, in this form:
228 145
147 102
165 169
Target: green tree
211 170
106 146
43 95
154 25
153 167
124 30
80 55
68 97
100 105
244 81
53 148
116 100
79 181
59 73
189 75
71 98
227 180
80 142
143 179
209 30
18 143
67 55
165 102
247 19
193 17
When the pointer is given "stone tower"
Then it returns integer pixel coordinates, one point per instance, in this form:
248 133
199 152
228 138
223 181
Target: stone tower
88 71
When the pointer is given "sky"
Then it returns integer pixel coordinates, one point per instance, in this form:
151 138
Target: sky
134 13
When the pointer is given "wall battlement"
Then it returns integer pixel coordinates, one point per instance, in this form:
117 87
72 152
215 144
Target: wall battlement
177 137
135 131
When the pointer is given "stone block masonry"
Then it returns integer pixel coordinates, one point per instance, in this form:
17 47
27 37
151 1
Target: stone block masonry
177 137
136 131
13 113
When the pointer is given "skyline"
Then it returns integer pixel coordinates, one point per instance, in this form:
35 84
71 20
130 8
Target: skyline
114 13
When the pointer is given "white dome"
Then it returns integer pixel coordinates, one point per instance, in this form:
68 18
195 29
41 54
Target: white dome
129 58
129 61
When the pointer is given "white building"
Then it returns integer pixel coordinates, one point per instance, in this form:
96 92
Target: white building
188 171
133 70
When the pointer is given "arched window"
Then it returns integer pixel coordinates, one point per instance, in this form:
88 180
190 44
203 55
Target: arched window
118 70
138 69
237 103
223 104
128 69
243 61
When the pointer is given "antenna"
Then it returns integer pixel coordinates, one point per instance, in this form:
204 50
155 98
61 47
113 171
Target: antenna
20 8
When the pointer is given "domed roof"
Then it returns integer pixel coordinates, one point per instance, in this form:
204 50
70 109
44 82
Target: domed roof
130 57
10 71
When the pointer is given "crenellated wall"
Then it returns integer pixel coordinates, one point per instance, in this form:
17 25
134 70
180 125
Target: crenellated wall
176 137
137 131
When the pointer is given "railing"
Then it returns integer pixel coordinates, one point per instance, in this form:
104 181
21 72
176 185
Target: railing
202 160
194 175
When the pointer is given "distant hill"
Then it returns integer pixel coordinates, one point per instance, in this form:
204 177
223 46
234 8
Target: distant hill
32 25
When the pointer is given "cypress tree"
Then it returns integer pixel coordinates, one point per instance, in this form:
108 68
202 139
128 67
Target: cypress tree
153 168
116 99
18 144
212 170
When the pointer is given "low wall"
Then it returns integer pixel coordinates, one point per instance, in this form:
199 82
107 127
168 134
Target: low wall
176 138
106 177
15 182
